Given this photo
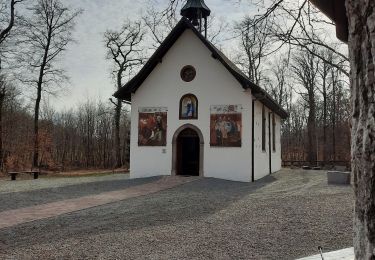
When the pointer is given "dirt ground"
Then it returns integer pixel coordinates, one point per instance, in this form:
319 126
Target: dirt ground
71 173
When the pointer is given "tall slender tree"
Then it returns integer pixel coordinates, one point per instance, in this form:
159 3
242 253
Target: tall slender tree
124 48
47 32
305 69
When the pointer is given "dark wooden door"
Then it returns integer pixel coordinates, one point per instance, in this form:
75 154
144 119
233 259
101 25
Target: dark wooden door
188 149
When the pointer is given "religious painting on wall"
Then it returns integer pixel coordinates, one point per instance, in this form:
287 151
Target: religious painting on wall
226 125
189 107
152 126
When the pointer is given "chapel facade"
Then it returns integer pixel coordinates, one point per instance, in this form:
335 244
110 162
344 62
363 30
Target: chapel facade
193 112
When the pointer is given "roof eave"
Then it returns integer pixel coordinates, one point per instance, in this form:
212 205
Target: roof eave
336 11
129 88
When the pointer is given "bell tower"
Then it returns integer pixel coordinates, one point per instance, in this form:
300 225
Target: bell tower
197 12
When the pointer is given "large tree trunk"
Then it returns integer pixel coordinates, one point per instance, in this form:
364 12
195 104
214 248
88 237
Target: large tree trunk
361 15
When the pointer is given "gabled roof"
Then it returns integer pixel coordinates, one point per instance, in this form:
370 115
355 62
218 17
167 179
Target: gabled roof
183 24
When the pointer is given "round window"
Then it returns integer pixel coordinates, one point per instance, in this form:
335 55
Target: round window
188 73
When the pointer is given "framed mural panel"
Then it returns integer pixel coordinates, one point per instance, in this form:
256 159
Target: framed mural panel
226 126
152 126
189 107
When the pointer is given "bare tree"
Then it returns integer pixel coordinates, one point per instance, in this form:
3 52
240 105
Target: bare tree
305 69
47 32
158 25
324 71
3 92
255 42
7 20
7 24
277 81
299 25
124 49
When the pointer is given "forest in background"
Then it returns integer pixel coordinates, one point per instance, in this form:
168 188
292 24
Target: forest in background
304 70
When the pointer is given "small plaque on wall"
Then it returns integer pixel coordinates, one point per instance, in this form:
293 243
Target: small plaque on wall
152 109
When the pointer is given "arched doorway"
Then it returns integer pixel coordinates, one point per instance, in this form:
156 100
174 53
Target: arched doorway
187 159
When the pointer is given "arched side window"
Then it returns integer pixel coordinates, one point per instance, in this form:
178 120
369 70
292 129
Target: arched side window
189 107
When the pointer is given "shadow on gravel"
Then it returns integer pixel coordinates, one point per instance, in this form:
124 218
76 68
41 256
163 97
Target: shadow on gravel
191 201
17 200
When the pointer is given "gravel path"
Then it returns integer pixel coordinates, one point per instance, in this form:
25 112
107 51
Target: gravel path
7 186
284 216
16 200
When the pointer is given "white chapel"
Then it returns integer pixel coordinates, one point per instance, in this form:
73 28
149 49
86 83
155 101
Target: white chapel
193 112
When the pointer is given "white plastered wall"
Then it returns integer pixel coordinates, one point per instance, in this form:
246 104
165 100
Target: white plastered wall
261 157
276 155
213 85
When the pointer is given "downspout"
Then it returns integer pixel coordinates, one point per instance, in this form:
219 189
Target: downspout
252 141
269 142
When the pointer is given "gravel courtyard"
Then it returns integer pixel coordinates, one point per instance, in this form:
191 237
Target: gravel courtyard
283 216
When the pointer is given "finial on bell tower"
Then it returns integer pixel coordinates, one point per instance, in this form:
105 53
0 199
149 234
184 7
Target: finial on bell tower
196 11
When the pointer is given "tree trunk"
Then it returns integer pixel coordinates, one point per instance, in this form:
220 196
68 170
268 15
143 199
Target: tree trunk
36 125
324 157
361 15
38 99
334 113
311 130
2 153
118 109
117 133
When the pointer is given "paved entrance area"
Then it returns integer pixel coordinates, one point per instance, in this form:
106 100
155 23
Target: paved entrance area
18 216
344 254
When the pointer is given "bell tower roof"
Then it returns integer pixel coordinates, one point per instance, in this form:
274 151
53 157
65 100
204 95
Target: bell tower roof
195 9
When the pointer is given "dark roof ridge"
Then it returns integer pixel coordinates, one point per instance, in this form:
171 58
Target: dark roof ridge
182 25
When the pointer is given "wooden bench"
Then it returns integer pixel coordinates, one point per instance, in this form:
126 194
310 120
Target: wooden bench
13 175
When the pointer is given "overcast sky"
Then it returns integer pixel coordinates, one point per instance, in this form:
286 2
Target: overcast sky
85 61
